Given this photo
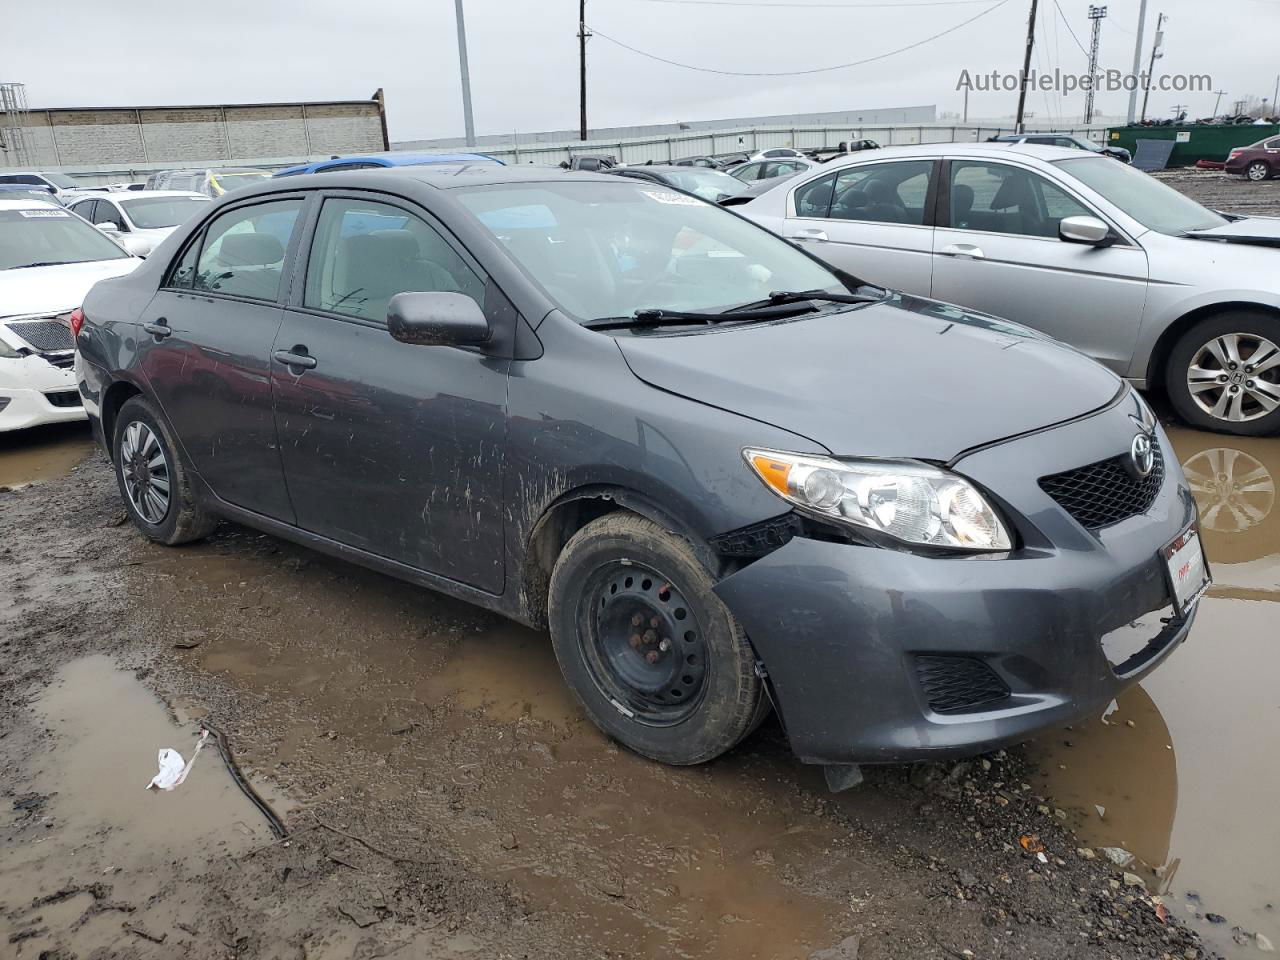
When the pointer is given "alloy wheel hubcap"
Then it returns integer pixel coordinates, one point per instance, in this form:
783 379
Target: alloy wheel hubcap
145 471
1258 171
645 650
1236 377
1234 490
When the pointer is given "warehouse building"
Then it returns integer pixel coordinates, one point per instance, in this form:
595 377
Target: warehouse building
141 138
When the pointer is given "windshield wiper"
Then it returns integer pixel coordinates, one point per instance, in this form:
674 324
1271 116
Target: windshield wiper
43 263
654 317
780 297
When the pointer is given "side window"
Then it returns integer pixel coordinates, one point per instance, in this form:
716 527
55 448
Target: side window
243 250
1001 199
1273 144
183 273
748 171
365 253
107 213
814 198
87 209
883 192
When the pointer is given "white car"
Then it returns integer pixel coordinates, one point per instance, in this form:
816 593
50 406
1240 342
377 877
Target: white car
1173 296
146 216
62 186
49 258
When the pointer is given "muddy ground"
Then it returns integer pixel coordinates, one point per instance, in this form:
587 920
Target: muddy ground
445 797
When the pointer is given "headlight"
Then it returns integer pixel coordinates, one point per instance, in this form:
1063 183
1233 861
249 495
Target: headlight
907 500
8 352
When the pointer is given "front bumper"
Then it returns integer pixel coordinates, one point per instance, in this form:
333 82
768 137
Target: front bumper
34 392
850 635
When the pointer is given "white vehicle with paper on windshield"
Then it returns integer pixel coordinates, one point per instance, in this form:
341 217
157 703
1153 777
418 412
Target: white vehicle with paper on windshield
49 258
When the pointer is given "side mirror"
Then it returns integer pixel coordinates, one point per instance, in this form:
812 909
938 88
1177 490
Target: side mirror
1088 230
437 319
107 227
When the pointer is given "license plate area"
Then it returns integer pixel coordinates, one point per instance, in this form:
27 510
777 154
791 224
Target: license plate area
1187 570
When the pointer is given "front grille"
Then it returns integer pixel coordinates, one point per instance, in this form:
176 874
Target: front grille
956 684
64 361
44 334
64 398
1105 492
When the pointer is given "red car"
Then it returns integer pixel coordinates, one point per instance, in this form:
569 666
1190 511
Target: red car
1256 162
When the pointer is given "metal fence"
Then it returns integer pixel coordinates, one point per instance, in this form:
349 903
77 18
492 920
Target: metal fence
754 139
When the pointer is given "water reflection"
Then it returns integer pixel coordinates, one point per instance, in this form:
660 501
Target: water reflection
1183 773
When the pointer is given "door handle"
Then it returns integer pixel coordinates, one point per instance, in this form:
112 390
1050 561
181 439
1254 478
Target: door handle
810 233
159 329
298 357
965 250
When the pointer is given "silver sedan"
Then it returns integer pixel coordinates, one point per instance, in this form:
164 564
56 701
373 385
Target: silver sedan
1167 293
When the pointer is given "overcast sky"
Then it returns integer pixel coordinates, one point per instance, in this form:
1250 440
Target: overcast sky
524 56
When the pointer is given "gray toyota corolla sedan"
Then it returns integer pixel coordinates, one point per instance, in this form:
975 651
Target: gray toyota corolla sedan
724 475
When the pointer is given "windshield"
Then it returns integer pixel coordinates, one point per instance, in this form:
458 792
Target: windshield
61 181
149 213
607 250
1153 204
707 184
48 235
225 181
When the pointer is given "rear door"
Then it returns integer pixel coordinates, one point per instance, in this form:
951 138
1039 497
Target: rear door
205 349
393 448
997 250
874 220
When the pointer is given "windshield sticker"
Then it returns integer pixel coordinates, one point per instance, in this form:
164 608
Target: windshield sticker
44 213
678 198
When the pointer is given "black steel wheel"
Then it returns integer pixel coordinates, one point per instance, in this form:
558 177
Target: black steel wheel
652 654
641 643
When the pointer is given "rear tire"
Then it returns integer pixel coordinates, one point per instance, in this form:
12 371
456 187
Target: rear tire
154 483
1257 171
1199 375
652 654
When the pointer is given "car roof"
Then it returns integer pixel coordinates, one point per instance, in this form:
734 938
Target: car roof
669 168
135 194
997 149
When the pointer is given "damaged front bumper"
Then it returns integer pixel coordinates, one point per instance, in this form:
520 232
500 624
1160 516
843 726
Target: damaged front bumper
876 655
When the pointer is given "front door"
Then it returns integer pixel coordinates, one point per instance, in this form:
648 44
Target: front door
871 220
205 348
393 448
998 251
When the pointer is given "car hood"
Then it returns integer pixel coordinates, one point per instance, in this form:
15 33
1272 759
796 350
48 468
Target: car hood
1255 231
30 290
907 377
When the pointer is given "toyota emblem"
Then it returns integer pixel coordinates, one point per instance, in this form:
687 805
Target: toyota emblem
1142 455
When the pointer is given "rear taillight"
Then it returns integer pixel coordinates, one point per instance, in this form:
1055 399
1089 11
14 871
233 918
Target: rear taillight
1234 154
77 322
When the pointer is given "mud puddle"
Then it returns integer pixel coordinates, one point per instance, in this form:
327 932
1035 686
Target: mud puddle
90 856
457 716
42 453
1186 767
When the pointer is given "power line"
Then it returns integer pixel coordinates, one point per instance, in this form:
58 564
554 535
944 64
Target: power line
796 73
810 4
1069 30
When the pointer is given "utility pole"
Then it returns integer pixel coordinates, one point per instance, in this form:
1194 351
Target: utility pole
966 106
1178 110
1137 62
1219 94
582 69
1026 69
467 122
1097 15
1275 97
1156 44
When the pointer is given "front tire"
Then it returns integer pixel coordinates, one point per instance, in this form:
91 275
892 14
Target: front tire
1224 374
154 484
1257 171
651 653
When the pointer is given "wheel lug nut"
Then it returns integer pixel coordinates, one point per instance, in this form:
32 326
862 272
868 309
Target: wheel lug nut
654 622
1222 378
1231 366
635 641
652 656
1249 384
664 645
650 636
636 620
1235 389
